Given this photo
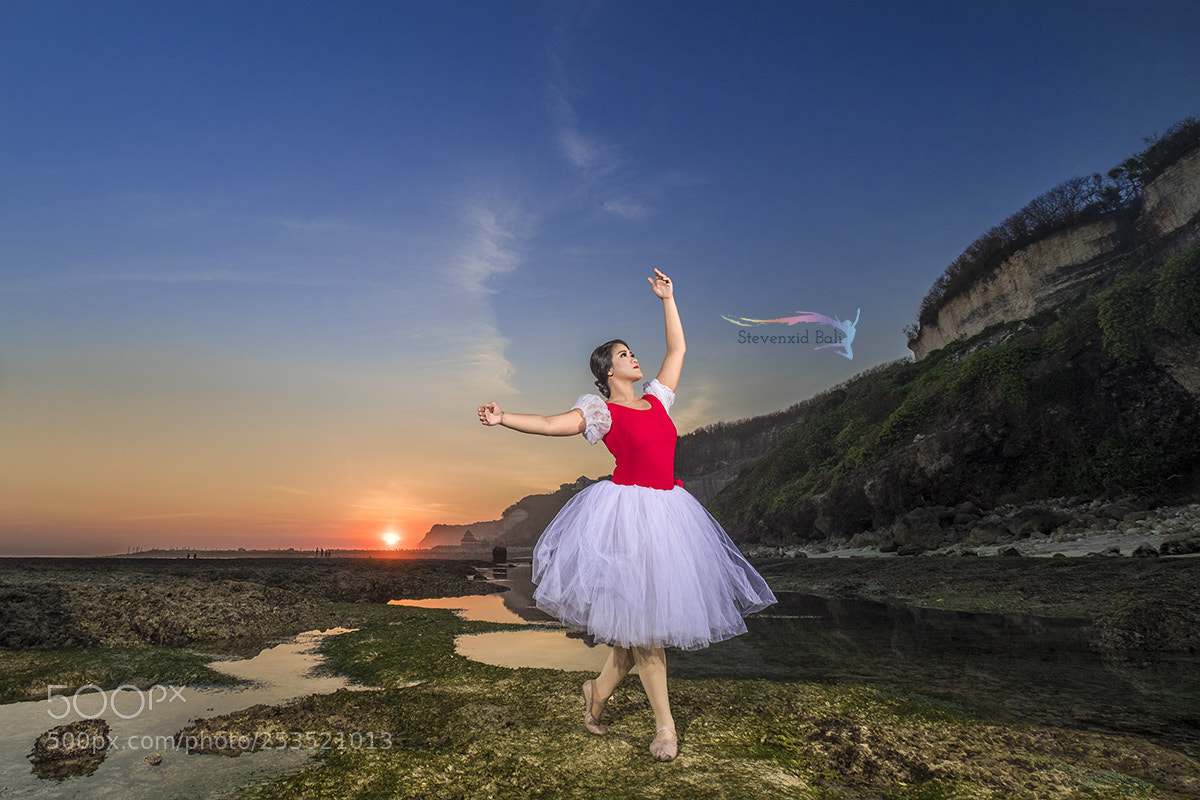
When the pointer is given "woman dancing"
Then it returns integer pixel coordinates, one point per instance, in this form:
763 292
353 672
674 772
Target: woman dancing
637 562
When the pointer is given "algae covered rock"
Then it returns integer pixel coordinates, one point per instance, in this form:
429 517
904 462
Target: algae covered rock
69 751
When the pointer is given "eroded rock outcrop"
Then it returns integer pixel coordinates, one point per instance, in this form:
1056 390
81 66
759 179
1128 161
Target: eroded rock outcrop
1063 265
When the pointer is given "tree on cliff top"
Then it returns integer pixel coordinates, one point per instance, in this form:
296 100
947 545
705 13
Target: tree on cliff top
1071 203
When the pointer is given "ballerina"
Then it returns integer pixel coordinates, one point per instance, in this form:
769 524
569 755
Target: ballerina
636 561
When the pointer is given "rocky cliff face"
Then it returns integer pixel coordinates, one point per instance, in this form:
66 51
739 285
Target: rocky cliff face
525 519
1066 264
708 459
519 526
1031 410
1041 275
1172 201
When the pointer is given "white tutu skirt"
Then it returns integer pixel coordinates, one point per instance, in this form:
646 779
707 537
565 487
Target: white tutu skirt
644 567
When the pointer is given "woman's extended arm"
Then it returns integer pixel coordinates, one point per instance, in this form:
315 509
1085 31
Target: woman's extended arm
672 366
567 424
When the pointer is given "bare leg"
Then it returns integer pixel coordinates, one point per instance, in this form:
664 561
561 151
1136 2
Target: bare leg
619 662
652 667
596 692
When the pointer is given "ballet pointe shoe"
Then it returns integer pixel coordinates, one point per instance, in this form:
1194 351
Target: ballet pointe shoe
665 745
591 720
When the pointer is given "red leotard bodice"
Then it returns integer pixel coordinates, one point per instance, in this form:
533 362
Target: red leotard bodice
643 444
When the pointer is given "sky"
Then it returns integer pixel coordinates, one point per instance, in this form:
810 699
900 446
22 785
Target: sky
261 261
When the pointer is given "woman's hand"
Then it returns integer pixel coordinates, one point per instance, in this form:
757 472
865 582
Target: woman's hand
490 414
662 285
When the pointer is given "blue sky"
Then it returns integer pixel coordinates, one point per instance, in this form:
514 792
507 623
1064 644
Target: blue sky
260 261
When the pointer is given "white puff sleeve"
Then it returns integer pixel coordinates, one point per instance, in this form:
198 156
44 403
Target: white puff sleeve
664 395
596 416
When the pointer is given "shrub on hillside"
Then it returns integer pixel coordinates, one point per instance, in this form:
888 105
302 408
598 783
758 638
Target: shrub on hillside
1124 311
1177 294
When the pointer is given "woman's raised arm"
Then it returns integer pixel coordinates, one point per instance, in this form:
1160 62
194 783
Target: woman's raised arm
672 366
567 424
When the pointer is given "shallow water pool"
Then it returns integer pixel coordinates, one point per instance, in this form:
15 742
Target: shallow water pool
143 723
1011 666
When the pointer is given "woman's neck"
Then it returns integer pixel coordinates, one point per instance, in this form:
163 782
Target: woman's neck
621 393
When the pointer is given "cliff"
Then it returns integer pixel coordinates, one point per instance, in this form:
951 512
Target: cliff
1070 371
525 519
707 459
925 453
440 534
1067 264
519 525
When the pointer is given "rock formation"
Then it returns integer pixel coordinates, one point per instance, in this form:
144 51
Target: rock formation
1067 264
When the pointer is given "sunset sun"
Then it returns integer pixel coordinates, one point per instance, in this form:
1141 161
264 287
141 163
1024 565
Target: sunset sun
391 538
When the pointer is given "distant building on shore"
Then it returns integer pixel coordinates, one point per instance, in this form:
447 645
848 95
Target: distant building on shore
470 544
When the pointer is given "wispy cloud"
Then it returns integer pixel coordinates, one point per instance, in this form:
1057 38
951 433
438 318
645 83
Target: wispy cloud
492 247
171 516
626 209
291 490
587 154
495 233
609 183
315 225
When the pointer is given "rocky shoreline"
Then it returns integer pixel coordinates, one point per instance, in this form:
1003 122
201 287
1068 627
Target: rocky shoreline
459 728
1132 572
228 604
1058 527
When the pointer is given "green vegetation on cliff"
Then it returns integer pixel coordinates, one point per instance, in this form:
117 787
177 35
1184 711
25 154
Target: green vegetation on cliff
1074 401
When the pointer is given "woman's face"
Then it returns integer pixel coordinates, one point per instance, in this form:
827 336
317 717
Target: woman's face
624 363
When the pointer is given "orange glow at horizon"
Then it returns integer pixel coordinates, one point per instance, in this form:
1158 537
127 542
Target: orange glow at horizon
391 538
